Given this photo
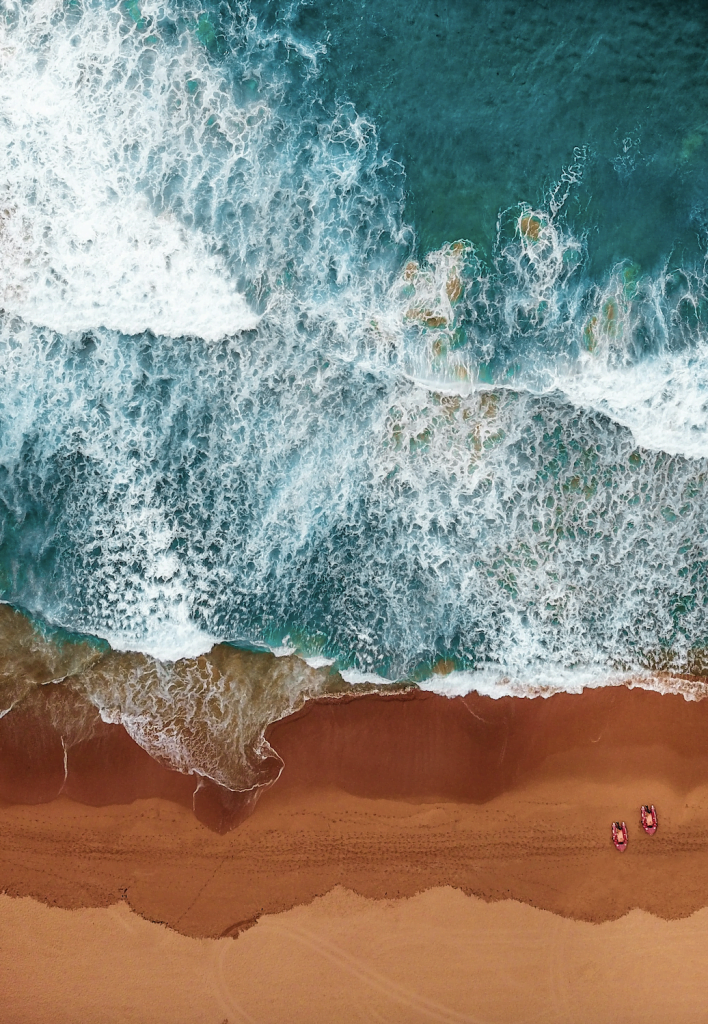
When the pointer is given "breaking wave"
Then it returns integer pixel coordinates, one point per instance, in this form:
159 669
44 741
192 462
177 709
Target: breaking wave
237 405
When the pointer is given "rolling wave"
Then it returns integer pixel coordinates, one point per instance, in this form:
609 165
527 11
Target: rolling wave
238 405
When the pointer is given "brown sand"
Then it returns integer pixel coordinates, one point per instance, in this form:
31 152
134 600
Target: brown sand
387 797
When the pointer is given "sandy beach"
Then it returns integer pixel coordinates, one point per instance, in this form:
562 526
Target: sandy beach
392 813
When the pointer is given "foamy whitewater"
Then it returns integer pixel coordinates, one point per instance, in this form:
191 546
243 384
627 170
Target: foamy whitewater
242 403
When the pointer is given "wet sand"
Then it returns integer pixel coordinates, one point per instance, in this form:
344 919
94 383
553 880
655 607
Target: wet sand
388 798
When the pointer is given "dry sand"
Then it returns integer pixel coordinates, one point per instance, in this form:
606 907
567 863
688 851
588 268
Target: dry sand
439 956
399 817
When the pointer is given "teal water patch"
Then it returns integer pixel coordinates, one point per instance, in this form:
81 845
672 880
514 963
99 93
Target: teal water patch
484 103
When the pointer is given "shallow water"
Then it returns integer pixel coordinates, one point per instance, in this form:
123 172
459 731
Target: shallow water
374 333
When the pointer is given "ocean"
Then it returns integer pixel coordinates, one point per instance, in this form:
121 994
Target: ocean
370 335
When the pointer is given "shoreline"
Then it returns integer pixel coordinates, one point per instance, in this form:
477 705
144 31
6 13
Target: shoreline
385 795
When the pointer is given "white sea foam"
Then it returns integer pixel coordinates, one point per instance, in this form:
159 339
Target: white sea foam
283 651
91 122
169 638
146 187
545 681
634 349
355 678
663 400
319 661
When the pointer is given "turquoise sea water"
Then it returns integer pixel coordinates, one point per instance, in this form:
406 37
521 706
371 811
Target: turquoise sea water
370 331
485 102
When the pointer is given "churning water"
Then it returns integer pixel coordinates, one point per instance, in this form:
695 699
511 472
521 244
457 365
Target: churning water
375 333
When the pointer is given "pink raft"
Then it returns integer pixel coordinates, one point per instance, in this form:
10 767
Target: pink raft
649 819
619 835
